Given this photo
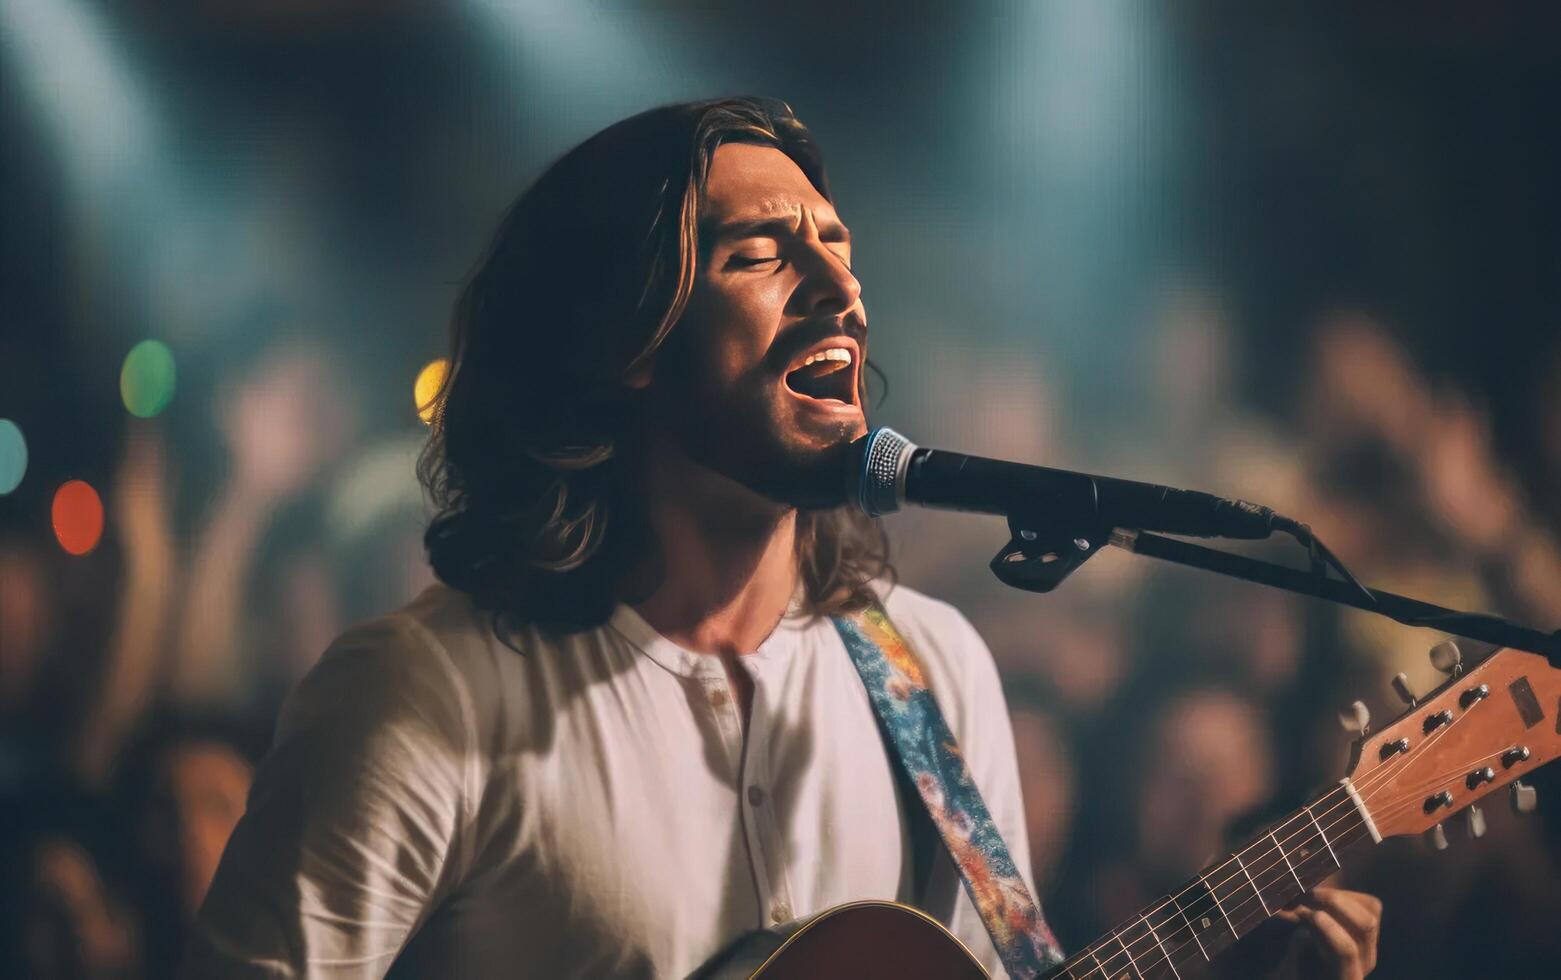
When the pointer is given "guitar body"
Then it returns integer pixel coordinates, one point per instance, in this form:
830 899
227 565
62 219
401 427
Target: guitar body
869 940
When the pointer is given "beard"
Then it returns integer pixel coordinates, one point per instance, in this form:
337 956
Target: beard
753 432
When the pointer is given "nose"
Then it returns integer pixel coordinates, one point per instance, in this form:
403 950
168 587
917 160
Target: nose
835 288
828 285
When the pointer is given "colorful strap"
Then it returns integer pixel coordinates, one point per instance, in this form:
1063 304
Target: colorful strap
920 739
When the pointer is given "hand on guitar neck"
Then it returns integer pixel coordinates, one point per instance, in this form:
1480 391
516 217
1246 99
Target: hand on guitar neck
1342 926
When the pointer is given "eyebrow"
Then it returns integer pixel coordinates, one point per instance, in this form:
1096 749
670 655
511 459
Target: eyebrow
774 227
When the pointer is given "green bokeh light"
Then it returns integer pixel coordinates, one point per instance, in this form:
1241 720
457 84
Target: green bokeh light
146 382
13 455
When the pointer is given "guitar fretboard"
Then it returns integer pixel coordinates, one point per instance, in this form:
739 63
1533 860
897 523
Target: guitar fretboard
1229 898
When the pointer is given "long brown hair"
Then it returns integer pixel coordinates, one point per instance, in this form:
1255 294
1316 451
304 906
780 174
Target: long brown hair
587 274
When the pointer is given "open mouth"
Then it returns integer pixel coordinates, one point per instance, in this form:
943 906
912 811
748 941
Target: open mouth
825 374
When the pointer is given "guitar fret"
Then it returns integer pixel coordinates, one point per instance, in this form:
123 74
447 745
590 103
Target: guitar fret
1199 909
1191 931
1168 962
1099 965
1203 879
1130 961
1266 910
1286 857
1235 896
1324 836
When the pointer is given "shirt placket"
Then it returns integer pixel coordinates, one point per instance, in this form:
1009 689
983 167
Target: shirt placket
718 694
766 846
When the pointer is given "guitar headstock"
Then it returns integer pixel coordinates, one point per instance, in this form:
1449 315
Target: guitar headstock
1481 730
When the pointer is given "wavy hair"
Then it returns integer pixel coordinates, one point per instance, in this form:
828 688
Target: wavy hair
587 274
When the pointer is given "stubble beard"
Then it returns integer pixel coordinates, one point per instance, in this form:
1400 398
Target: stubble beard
748 434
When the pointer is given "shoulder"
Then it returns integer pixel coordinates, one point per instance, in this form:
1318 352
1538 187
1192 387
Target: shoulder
913 610
411 667
959 665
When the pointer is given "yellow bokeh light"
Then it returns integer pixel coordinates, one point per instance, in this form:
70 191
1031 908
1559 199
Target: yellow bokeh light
425 390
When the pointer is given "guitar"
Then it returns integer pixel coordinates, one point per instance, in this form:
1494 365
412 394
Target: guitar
1480 730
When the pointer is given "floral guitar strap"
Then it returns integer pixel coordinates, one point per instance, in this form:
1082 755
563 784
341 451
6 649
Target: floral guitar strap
920 739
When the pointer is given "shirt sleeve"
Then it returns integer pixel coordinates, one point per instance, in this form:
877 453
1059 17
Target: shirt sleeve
987 740
352 831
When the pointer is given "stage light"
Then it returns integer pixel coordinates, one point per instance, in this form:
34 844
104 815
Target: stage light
599 62
66 56
78 517
425 390
13 455
146 381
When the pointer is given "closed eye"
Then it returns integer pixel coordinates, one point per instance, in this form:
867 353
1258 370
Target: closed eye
747 261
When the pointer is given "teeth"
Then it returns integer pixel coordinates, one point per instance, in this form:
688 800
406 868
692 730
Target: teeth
832 354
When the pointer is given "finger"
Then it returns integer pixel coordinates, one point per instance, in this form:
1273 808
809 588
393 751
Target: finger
1358 912
1325 891
1336 943
1361 916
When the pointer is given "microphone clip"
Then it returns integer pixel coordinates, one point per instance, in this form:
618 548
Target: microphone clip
1041 554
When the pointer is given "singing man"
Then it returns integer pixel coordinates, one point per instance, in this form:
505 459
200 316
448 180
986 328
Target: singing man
632 724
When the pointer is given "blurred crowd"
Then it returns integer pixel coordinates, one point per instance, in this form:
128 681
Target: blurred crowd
139 683
1163 714
1157 711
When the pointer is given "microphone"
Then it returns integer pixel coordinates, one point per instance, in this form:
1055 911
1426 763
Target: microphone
892 471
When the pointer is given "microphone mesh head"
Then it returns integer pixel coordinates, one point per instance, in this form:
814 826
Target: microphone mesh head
882 478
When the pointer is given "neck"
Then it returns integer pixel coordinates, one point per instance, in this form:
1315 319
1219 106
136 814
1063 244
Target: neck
1231 897
724 567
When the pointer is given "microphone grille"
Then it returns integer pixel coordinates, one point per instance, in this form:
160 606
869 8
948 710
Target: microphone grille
882 482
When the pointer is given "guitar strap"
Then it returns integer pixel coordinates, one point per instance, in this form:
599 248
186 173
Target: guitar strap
920 740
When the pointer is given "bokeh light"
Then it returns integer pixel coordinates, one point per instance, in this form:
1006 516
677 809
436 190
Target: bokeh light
146 381
13 455
78 517
425 390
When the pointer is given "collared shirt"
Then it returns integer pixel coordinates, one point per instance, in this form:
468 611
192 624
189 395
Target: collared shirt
442 803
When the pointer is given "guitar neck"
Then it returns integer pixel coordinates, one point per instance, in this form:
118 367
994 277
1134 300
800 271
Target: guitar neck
1231 897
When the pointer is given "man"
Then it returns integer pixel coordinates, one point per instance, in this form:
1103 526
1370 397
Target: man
624 732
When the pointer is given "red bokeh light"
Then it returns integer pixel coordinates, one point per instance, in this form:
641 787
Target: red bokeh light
78 517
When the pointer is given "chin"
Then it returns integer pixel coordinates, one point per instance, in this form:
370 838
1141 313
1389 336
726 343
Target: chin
789 449
818 435
807 466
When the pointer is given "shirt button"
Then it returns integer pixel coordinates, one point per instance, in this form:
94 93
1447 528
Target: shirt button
755 795
780 913
718 698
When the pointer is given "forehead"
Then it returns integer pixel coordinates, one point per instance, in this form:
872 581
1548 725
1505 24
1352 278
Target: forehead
746 180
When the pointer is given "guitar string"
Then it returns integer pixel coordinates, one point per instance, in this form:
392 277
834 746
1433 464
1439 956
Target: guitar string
1407 801
1370 786
1367 787
1348 837
1433 782
1372 783
1344 801
1167 956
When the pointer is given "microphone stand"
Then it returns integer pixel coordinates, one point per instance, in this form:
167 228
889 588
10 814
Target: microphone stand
1041 555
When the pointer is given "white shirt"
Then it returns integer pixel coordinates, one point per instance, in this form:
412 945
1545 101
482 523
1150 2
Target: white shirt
583 806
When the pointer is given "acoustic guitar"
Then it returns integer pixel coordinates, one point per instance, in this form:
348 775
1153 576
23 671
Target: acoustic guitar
1479 731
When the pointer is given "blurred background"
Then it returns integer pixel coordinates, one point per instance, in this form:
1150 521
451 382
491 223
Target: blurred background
1305 254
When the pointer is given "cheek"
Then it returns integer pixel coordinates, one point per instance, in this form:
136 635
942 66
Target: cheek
732 326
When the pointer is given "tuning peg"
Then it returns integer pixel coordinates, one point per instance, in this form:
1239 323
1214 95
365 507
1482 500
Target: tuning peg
1524 799
1438 838
1401 688
1447 658
1356 718
1474 822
